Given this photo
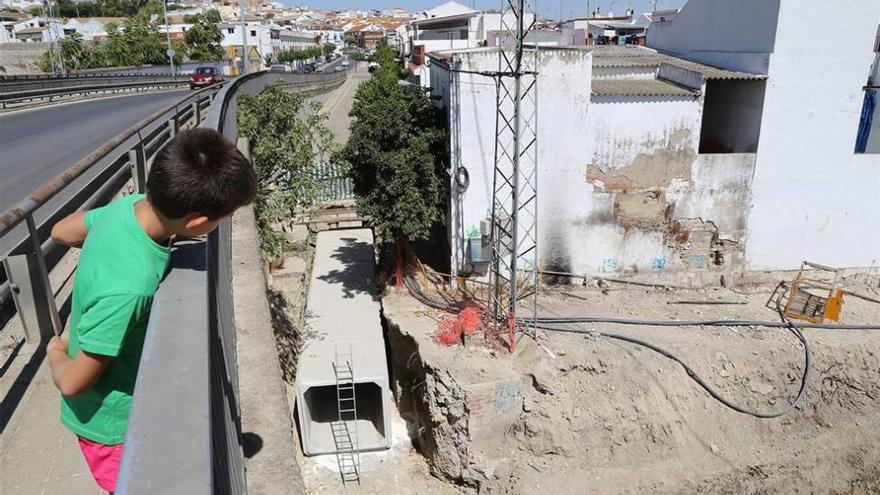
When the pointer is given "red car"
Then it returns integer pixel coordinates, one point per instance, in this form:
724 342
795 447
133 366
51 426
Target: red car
205 76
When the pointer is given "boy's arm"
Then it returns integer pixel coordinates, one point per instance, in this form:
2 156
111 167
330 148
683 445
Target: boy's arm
71 231
77 375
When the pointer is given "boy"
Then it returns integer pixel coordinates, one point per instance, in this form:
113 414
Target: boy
195 182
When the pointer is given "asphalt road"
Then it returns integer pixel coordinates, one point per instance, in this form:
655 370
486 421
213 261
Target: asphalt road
36 145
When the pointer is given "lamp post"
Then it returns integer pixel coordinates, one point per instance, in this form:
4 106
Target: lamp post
170 51
244 57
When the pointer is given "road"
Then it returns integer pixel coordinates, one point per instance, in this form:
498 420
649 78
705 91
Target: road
337 103
36 145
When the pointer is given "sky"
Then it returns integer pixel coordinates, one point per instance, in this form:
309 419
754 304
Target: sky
546 8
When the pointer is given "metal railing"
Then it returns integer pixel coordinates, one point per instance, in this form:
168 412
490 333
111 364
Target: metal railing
8 98
88 183
189 356
12 84
334 183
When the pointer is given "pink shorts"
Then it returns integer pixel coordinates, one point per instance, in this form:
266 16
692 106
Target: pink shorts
103 461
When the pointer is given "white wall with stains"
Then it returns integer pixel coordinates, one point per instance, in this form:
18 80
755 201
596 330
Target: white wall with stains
621 186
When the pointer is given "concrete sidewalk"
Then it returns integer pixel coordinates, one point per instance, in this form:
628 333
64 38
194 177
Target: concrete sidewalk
38 456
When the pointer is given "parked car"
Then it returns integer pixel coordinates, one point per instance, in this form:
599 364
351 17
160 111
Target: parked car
345 63
205 76
339 69
279 68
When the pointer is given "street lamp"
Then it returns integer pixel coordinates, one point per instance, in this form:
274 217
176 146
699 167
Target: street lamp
244 58
170 51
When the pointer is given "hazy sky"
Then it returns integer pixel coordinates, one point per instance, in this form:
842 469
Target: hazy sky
546 8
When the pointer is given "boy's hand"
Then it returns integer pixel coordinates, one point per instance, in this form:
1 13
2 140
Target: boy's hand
57 345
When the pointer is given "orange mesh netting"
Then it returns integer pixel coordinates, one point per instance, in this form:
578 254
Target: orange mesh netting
466 322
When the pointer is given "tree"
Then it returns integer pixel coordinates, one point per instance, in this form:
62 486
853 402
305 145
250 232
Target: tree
328 48
204 37
145 44
397 155
213 15
288 139
151 10
114 50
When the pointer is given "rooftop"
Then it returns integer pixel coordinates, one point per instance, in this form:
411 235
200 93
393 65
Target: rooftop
638 87
636 56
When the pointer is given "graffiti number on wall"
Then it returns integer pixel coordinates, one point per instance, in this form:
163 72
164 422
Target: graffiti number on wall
658 264
609 264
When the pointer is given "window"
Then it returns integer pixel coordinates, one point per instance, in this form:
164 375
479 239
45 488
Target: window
253 32
868 132
230 30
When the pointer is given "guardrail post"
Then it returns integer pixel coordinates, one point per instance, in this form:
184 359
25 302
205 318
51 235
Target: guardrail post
197 113
31 290
138 163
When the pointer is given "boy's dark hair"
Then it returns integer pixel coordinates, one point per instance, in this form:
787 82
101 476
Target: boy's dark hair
200 171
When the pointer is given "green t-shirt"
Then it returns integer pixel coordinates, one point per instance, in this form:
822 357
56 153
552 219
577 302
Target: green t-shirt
118 273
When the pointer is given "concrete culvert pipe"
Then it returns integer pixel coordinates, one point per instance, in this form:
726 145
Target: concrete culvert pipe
343 325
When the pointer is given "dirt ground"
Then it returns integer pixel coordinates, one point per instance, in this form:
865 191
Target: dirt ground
583 413
603 416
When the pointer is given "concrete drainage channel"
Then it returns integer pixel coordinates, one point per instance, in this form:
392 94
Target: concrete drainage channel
342 377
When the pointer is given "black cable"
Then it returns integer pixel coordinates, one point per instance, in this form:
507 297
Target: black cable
692 323
802 392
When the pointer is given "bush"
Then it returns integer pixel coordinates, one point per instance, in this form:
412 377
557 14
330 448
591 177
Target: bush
397 155
288 139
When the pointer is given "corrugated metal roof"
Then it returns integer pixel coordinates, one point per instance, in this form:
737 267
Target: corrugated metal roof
635 56
638 87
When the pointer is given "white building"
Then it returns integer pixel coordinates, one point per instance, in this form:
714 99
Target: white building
656 166
812 196
264 39
92 27
37 29
449 26
337 37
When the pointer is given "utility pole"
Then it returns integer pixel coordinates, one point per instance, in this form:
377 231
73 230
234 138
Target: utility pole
170 51
244 54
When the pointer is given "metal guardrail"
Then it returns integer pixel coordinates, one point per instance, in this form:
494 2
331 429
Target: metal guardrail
11 84
196 369
50 93
124 158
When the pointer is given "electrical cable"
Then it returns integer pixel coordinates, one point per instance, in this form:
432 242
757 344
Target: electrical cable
802 392
546 323
697 323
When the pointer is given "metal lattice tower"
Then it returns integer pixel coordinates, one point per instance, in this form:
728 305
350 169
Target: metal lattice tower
514 273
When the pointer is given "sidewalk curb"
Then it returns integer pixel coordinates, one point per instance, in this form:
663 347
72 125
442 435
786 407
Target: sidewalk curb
272 469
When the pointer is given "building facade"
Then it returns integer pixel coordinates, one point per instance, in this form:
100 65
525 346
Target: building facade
694 166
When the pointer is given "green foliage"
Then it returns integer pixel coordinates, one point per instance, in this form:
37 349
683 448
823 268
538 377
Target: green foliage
204 37
288 137
151 10
213 15
303 54
397 155
138 42
350 39
328 48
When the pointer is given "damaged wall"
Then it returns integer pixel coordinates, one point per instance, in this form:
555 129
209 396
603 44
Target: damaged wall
622 188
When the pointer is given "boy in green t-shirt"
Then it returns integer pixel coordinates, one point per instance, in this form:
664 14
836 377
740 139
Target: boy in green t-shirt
195 182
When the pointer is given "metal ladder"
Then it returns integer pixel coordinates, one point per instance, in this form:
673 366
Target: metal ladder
345 428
